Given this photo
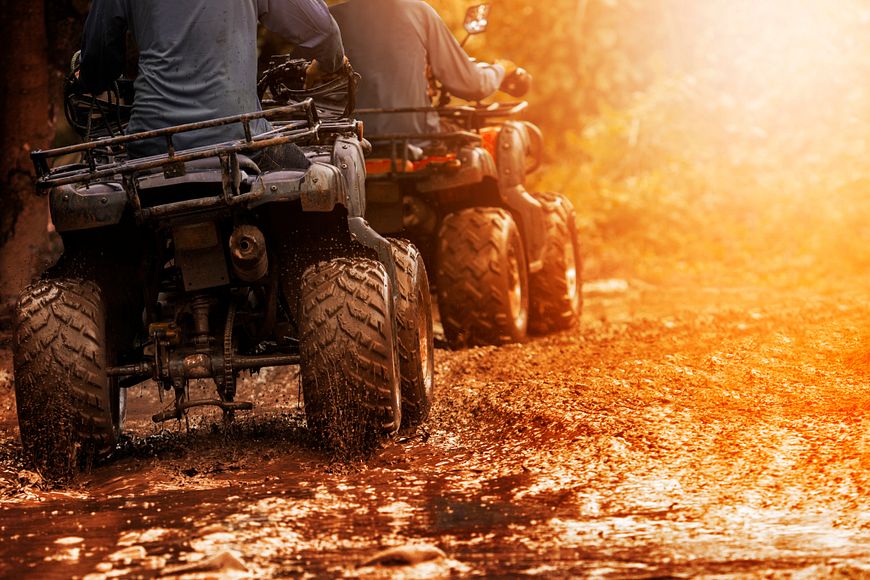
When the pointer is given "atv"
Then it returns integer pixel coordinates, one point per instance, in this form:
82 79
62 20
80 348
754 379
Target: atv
195 264
505 261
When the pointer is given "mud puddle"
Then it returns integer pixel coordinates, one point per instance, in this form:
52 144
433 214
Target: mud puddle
729 436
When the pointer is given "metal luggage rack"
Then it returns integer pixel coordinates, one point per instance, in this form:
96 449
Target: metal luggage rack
471 118
398 162
117 166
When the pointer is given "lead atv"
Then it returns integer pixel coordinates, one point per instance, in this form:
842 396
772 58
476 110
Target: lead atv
505 260
196 264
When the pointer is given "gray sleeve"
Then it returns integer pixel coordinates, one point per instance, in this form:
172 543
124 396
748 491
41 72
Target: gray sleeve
451 65
308 24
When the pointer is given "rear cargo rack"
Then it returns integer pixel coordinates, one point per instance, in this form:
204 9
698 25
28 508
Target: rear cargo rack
116 165
400 144
470 118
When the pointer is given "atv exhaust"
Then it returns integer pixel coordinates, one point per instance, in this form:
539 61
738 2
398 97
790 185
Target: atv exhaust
248 253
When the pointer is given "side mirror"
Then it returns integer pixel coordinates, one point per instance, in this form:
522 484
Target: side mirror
477 19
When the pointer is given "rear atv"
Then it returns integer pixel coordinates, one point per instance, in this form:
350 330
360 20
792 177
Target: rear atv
505 261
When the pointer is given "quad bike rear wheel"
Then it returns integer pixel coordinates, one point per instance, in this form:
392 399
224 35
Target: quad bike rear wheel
350 363
69 410
416 343
557 290
483 287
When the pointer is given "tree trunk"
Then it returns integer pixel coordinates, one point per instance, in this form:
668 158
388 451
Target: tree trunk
25 106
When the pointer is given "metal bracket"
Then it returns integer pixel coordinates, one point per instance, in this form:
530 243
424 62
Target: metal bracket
180 408
231 175
368 237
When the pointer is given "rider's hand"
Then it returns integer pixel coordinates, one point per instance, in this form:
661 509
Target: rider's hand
508 66
73 79
517 83
75 63
314 76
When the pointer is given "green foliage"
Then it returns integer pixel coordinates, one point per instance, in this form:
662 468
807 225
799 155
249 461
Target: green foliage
723 137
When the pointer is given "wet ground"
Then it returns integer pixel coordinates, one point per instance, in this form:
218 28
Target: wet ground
680 432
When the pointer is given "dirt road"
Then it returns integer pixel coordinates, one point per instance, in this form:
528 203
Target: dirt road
679 433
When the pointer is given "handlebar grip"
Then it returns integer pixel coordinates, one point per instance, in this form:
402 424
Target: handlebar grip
517 83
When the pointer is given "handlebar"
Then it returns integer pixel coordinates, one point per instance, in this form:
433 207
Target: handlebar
285 82
517 83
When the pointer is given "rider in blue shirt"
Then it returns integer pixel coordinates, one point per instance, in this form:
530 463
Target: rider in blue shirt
392 43
198 59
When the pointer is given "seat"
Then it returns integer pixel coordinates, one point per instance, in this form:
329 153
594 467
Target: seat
199 171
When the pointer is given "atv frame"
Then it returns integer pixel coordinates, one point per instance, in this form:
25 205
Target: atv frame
233 270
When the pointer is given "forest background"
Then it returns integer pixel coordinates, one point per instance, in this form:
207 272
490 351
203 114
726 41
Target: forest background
712 141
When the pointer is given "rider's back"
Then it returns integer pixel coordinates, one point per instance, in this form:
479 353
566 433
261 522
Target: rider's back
390 43
197 61
197 58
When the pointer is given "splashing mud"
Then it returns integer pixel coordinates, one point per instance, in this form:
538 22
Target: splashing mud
728 436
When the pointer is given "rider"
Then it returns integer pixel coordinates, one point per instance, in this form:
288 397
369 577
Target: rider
391 43
198 61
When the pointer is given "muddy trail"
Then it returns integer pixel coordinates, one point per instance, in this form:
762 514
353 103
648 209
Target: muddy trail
680 432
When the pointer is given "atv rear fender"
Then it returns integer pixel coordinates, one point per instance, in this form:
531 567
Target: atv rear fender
75 208
513 146
476 165
348 156
340 181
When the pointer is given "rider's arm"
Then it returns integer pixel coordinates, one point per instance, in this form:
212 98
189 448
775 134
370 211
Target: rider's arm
451 65
104 45
308 24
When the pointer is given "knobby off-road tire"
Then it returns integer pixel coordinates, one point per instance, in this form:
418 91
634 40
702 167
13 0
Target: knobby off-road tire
69 411
416 342
556 292
483 288
350 363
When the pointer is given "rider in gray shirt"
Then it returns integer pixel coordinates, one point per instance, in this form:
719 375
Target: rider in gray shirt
198 58
390 43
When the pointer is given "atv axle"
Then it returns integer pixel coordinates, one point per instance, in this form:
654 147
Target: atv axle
240 362
178 411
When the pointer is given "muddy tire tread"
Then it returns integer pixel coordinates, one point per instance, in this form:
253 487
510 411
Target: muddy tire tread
474 306
411 273
349 367
551 310
60 375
